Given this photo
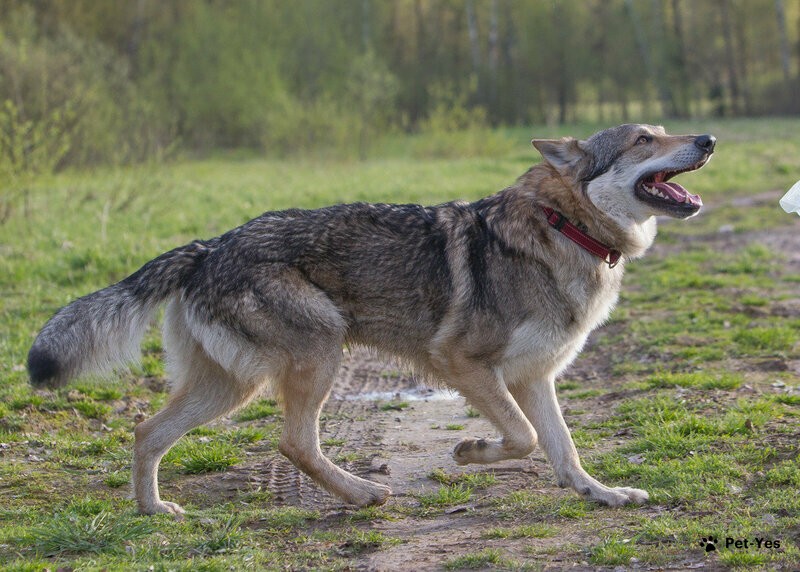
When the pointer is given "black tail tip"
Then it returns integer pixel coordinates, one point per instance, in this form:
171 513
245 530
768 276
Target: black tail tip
44 369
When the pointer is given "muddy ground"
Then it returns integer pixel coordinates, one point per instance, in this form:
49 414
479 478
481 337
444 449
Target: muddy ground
401 447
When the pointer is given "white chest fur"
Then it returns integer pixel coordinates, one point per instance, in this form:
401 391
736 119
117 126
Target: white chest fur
544 347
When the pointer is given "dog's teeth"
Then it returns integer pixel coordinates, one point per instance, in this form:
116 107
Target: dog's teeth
655 192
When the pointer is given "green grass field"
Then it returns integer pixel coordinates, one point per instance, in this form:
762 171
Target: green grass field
699 362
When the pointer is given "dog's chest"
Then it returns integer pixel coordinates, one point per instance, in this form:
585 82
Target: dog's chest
563 322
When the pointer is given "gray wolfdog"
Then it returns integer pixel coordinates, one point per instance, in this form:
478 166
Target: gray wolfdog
492 298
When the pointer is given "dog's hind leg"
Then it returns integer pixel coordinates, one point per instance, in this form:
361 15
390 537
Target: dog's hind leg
202 392
538 400
209 395
485 391
304 390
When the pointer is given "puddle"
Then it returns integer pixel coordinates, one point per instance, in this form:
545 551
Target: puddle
413 394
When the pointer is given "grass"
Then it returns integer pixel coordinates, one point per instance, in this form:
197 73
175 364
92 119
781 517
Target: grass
117 479
696 380
612 552
469 480
395 406
487 558
196 457
360 541
219 537
76 533
259 409
92 409
694 399
446 496
522 531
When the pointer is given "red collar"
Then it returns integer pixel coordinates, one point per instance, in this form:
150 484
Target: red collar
576 235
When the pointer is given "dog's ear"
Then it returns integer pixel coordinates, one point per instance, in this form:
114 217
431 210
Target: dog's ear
564 154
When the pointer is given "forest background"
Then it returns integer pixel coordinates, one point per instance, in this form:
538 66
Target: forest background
102 82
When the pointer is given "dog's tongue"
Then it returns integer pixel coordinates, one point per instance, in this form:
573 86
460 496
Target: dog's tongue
678 193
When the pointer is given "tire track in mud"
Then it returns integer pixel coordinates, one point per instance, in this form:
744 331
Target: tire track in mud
351 431
396 447
350 423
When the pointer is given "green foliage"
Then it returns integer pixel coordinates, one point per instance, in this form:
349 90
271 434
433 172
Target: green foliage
772 339
258 410
699 380
786 473
75 533
92 409
117 479
523 531
283 520
243 436
450 113
358 541
67 99
446 496
467 480
612 551
487 558
204 457
219 537
372 89
29 148
455 129
225 75
395 406
99 392
333 78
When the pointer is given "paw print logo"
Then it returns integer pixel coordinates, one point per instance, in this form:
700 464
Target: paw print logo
710 543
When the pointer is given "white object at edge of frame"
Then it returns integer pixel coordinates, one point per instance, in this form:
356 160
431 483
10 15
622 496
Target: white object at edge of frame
790 202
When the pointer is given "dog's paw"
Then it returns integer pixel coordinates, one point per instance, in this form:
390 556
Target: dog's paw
369 494
618 496
163 507
470 451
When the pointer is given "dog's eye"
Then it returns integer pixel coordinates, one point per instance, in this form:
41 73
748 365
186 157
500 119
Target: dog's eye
643 139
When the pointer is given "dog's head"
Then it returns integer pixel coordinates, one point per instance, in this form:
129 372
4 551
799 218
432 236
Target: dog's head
627 170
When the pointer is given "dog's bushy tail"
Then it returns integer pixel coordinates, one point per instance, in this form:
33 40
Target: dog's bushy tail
104 329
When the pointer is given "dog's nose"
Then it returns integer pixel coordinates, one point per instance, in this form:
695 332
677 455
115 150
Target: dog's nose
706 142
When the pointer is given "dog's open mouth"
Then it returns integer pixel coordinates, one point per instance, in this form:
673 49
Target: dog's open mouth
657 190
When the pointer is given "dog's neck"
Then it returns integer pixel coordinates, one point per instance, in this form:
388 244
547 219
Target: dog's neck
631 233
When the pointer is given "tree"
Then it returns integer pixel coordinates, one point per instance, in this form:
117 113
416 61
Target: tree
780 13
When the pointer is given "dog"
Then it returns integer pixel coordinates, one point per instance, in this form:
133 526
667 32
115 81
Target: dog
493 298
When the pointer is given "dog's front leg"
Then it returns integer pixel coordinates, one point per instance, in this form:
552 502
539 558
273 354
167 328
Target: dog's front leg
538 400
485 390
